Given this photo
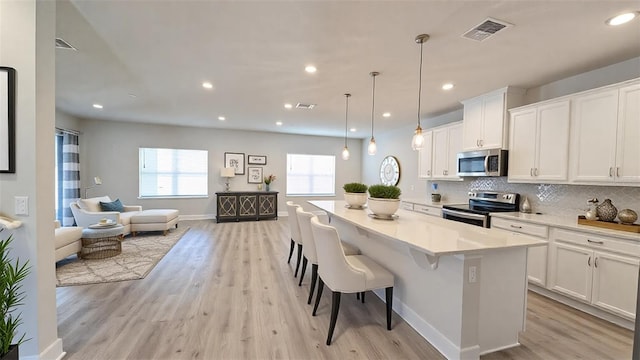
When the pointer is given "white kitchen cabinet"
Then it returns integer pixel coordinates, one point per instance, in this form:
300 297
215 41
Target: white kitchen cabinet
539 142
536 256
447 143
597 270
605 127
425 156
428 210
485 124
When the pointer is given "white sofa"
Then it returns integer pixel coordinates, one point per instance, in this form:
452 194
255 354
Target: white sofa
67 240
133 218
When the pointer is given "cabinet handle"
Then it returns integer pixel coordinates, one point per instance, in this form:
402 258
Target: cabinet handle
481 143
596 262
516 226
428 172
595 242
531 172
610 172
477 142
535 172
589 261
618 171
425 209
444 172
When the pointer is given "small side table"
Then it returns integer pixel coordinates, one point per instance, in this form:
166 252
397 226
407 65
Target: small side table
101 242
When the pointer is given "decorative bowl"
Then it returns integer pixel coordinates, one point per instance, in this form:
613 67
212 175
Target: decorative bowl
627 216
384 208
355 200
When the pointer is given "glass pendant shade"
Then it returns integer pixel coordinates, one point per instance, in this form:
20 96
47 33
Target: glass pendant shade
345 153
372 147
417 142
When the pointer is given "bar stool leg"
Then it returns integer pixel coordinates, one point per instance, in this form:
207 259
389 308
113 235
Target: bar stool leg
335 307
293 244
299 258
320 287
304 268
389 298
314 277
362 297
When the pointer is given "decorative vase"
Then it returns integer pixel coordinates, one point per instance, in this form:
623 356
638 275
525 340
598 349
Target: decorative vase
355 200
525 207
383 208
627 216
267 187
606 211
436 198
12 354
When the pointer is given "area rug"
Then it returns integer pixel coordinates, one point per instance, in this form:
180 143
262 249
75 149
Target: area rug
139 256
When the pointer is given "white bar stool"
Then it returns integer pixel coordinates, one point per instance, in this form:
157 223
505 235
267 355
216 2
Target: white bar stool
295 233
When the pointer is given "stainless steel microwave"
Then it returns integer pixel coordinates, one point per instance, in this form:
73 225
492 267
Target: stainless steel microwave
491 162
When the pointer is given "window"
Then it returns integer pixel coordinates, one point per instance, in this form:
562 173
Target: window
311 175
172 172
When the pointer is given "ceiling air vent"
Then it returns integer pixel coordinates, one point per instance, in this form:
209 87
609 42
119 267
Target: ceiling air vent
486 29
61 44
305 106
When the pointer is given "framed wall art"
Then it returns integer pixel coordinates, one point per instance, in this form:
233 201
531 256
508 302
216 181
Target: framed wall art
254 175
236 161
257 160
7 120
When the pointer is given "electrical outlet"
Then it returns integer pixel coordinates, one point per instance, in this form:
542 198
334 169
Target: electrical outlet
473 274
21 205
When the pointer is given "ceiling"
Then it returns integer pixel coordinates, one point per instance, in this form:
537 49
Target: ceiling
145 61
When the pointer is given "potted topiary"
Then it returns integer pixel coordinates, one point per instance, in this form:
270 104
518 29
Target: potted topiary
11 296
355 194
384 200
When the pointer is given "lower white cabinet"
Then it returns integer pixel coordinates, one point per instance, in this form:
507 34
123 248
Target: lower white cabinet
536 256
597 270
429 210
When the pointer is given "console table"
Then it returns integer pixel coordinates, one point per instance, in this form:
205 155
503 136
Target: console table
246 205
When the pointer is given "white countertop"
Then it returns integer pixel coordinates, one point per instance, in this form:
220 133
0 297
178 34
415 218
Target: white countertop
428 202
566 223
429 234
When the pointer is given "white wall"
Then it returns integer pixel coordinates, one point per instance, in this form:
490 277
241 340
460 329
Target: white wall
28 46
109 149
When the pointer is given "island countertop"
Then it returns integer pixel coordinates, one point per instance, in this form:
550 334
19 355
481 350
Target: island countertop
431 235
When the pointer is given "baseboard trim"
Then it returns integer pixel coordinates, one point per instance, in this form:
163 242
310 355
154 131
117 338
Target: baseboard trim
197 217
52 352
589 309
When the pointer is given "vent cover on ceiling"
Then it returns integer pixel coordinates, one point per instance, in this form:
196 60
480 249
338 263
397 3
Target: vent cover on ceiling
61 44
486 29
305 106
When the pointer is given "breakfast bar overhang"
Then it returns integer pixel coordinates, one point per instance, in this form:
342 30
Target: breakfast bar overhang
462 287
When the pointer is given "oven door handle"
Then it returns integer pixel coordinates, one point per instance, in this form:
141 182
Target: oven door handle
465 215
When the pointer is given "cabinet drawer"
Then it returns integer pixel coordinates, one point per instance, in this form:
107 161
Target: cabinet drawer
407 206
429 210
521 227
597 242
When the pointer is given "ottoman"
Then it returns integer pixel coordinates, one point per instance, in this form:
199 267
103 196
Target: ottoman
99 242
154 220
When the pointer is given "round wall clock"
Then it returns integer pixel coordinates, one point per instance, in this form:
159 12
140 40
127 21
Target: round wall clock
390 171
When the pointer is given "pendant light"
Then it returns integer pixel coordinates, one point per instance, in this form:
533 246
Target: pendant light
418 140
345 151
372 143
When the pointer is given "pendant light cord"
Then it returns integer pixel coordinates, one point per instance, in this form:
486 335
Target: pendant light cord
420 82
346 118
373 100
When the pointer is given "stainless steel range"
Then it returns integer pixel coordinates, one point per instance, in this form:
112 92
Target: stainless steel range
481 203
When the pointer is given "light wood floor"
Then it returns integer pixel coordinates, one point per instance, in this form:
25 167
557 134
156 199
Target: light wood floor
225 291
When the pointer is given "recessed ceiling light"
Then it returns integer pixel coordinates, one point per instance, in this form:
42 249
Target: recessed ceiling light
207 85
622 18
447 86
222 118
279 123
132 95
353 129
97 106
310 69
387 114
288 106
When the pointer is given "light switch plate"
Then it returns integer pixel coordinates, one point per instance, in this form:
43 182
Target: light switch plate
21 205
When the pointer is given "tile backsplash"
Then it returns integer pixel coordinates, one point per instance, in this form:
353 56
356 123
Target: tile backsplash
552 199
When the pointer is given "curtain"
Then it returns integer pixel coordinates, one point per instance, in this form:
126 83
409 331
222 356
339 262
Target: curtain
70 179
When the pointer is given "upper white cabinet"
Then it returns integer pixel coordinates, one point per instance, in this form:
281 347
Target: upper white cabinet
485 124
605 140
447 143
539 142
425 156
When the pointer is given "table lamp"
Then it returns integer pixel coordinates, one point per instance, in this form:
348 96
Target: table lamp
227 172
96 181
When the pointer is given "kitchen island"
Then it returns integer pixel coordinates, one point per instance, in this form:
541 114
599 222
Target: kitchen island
462 287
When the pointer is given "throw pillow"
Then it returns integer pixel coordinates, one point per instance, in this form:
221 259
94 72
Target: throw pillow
112 206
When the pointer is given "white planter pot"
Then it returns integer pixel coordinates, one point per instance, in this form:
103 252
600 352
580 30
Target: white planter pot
384 208
355 200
